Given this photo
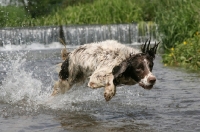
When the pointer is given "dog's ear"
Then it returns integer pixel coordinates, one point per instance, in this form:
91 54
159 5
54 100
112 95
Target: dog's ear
146 49
118 70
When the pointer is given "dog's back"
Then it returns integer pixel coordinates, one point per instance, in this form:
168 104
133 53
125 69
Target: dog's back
90 57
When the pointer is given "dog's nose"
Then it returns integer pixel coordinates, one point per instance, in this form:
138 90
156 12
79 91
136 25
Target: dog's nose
152 79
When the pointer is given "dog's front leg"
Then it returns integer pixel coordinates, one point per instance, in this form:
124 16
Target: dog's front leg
101 79
110 88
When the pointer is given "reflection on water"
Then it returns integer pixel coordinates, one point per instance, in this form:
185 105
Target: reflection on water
25 103
91 123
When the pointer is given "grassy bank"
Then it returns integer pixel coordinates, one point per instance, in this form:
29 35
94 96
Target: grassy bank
185 54
179 27
178 22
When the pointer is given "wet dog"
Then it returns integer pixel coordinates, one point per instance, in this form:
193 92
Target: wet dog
107 64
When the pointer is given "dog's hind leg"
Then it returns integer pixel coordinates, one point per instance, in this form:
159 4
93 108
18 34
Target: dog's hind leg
60 87
63 84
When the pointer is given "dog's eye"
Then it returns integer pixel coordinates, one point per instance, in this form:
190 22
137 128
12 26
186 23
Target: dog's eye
140 67
138 70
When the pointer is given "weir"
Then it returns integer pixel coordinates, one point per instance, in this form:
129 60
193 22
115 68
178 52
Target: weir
77 34
17 36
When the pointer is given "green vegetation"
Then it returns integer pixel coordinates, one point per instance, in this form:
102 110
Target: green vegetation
63 12
185 54
179 25
178 21
100 12
37 8
12 16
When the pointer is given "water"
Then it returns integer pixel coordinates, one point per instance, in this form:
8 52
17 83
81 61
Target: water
29 35
28 73
78 34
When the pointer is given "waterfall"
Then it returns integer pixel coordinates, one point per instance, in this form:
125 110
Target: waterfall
18 36
78 34
124 33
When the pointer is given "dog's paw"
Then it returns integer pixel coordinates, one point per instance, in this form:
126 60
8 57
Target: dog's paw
108 95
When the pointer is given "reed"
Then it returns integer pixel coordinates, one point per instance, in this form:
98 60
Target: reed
179 26
96 12
177 20
185 54
99 12
148 29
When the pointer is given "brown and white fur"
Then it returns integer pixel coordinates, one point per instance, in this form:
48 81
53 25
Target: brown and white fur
107 64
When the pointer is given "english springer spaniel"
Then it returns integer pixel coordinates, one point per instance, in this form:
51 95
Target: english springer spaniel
107 64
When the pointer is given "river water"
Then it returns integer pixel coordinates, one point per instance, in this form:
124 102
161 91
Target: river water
27 76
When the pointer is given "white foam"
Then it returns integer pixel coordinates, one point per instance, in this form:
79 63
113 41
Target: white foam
19 86
33 46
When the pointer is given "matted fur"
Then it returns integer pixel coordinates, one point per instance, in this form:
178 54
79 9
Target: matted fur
106 64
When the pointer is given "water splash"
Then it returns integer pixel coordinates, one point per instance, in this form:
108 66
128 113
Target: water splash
18 84
28 82
23 88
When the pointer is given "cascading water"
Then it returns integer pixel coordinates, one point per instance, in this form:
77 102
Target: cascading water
19 36
77 35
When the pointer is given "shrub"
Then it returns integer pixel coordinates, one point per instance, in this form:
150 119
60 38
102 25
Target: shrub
52 12
75 2
100 12
179 25
37 8
177 20
185 54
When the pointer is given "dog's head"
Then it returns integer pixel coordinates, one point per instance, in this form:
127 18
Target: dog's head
139 66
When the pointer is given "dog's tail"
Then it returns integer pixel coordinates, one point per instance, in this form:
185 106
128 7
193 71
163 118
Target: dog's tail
64 53
64 56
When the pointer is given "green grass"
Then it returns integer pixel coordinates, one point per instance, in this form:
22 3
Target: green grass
96 12
12 16
99 12
177 20
185 54
179 26
83 12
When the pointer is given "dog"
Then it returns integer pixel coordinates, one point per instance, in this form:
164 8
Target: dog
107 64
